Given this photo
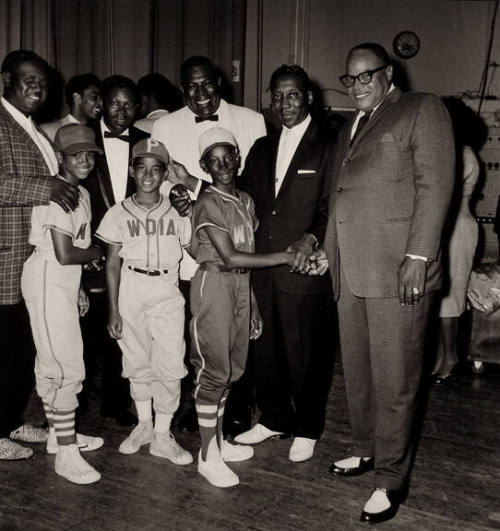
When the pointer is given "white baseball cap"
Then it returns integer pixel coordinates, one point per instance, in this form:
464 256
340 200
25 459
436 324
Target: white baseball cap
215 136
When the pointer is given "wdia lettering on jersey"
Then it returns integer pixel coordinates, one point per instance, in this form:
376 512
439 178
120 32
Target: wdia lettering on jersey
151 227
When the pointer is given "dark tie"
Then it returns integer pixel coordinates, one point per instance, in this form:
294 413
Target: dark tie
125 138
213 118
361 124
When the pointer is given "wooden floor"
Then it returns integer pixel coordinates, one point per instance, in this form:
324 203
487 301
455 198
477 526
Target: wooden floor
455 481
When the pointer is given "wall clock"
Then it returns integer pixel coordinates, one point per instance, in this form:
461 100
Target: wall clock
406 44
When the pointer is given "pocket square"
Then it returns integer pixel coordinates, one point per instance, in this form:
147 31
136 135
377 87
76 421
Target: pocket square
302 172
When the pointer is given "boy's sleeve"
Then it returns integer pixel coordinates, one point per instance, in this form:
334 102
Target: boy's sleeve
185 231
208 213
109 230
59 220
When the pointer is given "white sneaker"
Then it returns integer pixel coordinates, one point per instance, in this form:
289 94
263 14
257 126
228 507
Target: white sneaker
302 449
165 445
139 436
72 466
85 443
235 452
217 473
256 435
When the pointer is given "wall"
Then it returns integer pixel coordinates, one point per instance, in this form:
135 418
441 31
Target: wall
318 33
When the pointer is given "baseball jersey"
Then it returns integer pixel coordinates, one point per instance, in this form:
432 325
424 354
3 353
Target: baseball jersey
76 224
150 238
234 214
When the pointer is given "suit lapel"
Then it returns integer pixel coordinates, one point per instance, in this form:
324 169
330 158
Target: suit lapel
271 170
303 150
102 170
377 115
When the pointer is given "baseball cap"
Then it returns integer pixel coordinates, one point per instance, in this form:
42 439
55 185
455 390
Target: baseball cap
215 136
72 138
149 147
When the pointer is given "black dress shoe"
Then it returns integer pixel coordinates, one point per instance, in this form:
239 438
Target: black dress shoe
188 420
364 466
123 417
237 423
394 498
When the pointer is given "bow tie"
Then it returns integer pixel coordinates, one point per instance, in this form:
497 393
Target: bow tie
213 118
125 138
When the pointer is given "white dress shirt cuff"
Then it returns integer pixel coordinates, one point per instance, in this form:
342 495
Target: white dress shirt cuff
417 257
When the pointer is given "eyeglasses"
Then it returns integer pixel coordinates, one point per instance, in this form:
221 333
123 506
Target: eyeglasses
364 78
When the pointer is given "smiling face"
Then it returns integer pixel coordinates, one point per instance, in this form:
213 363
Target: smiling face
289 101
77 166
222 163
27 89
149 174
120 109
368 96
201 90
91 102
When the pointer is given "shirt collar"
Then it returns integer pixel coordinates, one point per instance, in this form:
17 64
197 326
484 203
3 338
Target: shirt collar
299 129
18 116
221 111
391 88
104 127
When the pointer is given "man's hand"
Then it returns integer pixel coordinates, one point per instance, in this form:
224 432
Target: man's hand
302 248
83 302
64 194
177 173
115 325
411 280
256 322
179 197
318 264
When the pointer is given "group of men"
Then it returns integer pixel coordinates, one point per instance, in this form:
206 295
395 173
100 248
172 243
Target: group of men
374 203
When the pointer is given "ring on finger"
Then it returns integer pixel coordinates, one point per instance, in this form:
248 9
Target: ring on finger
415 291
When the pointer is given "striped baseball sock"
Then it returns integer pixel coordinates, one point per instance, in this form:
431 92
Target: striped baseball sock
207 421
220 417
49 415
64 423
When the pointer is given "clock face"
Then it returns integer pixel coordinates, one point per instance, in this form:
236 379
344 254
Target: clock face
406 44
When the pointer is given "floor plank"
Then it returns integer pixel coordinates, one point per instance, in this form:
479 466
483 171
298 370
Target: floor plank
455 481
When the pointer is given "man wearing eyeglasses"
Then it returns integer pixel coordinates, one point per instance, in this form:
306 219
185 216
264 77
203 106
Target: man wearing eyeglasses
391 186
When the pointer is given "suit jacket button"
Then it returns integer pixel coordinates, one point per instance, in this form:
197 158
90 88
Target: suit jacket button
273 212
270 237
340 189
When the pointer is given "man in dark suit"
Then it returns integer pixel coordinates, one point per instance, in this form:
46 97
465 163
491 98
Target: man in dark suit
27 168
108 183
285 174
392 182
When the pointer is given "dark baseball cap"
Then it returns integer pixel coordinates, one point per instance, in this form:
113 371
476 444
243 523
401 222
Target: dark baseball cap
72 138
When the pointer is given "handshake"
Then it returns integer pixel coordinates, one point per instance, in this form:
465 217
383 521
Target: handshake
308 263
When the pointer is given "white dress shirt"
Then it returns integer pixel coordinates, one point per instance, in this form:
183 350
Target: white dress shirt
289 141
117 152
38 138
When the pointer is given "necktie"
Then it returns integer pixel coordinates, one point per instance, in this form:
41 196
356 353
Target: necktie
213 118
361 124
125 138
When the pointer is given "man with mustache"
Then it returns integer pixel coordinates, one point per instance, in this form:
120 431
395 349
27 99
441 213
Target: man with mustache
28 165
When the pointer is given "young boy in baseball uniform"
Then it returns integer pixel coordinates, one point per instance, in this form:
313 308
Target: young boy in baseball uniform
225 312
145 236
50 285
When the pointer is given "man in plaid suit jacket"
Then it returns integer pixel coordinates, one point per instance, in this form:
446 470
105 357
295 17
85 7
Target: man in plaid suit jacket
391 186
27 167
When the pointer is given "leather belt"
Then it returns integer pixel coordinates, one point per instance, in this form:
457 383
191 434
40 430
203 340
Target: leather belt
211 266
148 272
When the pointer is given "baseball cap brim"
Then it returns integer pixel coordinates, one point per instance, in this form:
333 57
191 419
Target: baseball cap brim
215 144
148 154
80 146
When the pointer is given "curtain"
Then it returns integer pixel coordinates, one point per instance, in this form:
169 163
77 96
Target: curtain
128 37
